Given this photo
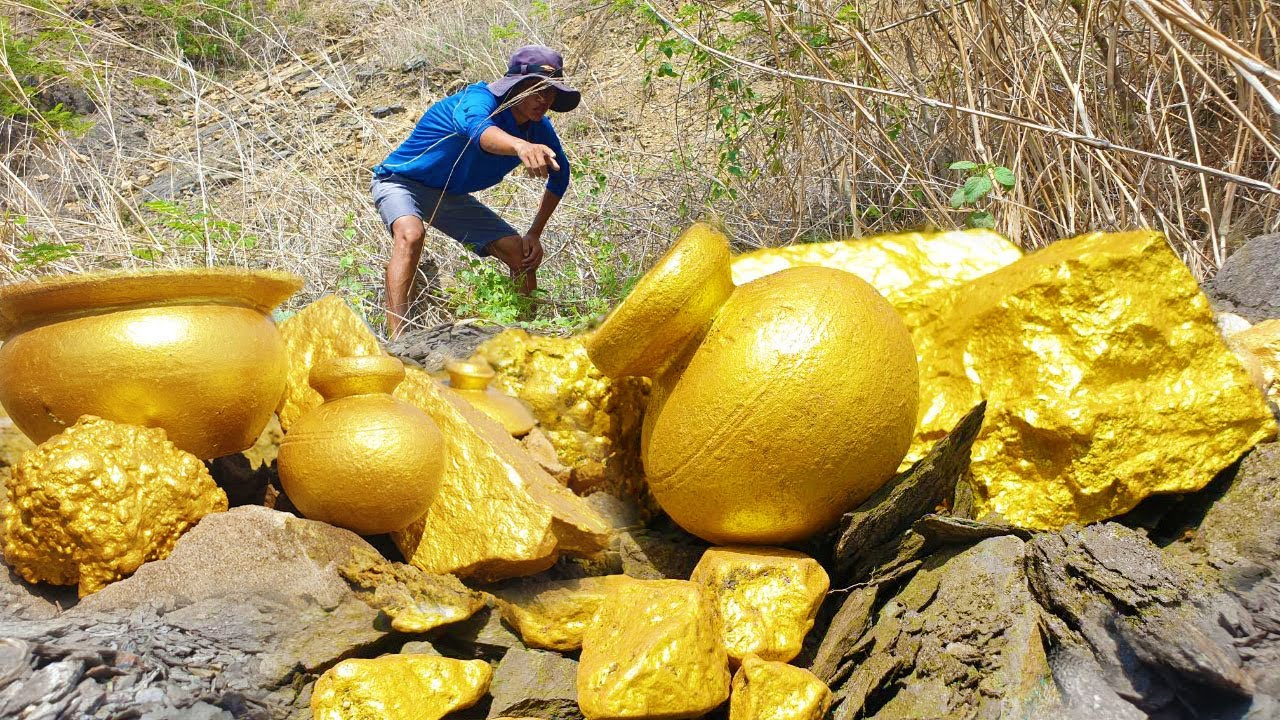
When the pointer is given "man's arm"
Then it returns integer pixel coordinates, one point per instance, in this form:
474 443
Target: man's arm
531 242
539 160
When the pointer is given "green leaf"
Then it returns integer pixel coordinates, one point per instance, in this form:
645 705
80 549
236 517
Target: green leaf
957 198
1005 177
963 165
975 188
981 219
747 16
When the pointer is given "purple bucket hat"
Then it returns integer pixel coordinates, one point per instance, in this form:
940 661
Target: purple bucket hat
538 61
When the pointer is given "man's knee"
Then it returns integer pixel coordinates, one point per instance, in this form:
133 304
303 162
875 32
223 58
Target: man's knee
407 234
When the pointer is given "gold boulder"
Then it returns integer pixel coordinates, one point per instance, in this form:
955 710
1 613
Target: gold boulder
777 406
554 615
89 506
764 690
653 650
1258 347
766 598
399 687
191 351
363 460
1105 378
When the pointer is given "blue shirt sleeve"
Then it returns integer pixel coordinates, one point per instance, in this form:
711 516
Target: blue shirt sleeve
473 113
557 180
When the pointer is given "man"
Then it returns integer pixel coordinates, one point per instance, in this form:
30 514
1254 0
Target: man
468 142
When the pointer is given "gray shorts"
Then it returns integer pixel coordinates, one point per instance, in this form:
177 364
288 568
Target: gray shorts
461 217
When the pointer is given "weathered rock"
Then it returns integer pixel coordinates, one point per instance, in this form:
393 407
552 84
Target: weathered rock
554 615
430 348
399 687
415 601
482 636
770 690
535 684
1248 283
765 598
20 600
93 503
895 506
961 639
659 554
1060 344
653 650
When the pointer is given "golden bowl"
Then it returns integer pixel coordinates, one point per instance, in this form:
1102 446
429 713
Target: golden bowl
192 351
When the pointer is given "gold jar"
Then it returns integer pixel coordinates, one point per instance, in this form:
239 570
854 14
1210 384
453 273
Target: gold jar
777 406
470 379
363 460
192 351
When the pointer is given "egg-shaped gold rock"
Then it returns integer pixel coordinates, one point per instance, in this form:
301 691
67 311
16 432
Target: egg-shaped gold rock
470 379
771 690
363 460
191 351
790 402
399 687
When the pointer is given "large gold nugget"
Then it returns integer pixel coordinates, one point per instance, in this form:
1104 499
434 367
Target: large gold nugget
399 687
192 351
1105 377
764 690
91 505
1259 349
497 514
554 615
793 400
653 651
766 598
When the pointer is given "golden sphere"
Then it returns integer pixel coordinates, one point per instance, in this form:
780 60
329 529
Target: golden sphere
363 460
191 351
797 404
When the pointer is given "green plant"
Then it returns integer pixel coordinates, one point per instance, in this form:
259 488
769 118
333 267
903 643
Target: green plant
484 292
358 280
30 65
206 31
981 181
192 228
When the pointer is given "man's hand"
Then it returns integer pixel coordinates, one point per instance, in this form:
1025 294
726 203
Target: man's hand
530 251
538 160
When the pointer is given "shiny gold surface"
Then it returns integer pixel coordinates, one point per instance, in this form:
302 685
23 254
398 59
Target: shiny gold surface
90 505
1105 378
363 460
652 651
327 328
399 687
1259 348
592 421
766 598
498 514
553 615
668 309
415 601
191 351
898 265
470 379
764 690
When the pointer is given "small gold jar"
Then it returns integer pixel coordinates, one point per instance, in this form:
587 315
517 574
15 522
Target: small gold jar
470 379
363 460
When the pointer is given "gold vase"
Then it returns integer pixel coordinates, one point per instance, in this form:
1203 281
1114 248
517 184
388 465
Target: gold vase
470 379
777 406
192 351
363 460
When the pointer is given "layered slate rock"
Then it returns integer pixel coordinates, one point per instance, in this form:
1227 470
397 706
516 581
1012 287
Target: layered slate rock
1248 283
1105 378
535 684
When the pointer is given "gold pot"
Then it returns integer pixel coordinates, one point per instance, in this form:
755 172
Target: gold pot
192 351
363 460
470 379
777 406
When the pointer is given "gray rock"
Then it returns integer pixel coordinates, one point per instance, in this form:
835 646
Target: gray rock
21 600
537 684
432 347
383 111
1248 283
482 636
658 554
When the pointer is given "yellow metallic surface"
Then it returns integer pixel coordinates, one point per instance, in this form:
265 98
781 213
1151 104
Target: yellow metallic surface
764 690
1105 378
553 615
592 421
399 687
415 601
653 651
668 309
765 598
497 514
90 505
898 265
471 379
1259 348
363 460
191 351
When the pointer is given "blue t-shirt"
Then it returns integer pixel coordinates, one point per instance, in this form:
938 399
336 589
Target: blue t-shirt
443 151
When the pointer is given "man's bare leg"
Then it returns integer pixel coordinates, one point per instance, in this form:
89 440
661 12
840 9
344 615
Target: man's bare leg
507 249
407 234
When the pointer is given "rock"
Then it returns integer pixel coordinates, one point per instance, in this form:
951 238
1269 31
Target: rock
535 684
415 601
416 63
653 650
399 687
21 601
961 639
1060 343
554 615
93 503
939 530
770 690
1248 283
539 447
848 625
920 490
432 347
765 598
659 554
482 636
383 111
